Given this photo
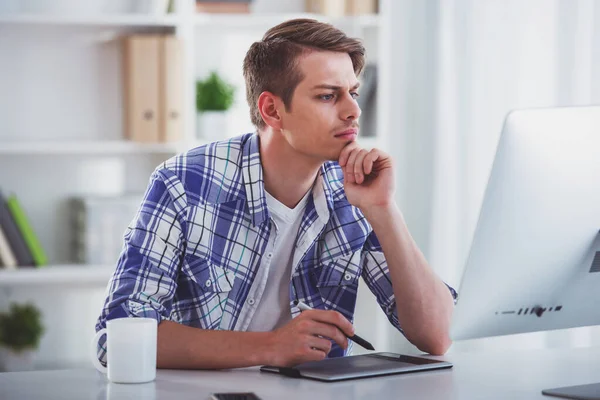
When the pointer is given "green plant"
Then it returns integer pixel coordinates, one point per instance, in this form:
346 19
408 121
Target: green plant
214 94
21 327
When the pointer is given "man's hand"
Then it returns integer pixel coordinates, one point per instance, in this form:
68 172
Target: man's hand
306 337
368 176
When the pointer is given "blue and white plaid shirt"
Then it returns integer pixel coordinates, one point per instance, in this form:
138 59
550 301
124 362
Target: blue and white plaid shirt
193 250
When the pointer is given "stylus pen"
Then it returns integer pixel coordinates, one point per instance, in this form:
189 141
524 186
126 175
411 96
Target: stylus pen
355 338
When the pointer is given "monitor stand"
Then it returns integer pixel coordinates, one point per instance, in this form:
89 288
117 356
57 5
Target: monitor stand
581 392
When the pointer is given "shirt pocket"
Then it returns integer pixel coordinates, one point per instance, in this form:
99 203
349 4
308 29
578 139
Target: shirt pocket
343 271
209 277
203 293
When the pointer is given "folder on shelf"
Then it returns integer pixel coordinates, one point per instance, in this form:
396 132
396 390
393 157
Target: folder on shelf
31 240
7 257
223 6
171 89
13 236
361 7
141 87
331 8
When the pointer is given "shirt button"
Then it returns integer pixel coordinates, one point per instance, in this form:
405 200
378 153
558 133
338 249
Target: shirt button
251 302
208 283
347 277
269 255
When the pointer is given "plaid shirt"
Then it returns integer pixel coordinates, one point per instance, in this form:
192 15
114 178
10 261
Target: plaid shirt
193 250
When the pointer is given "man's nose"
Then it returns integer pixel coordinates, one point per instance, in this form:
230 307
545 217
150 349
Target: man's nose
350 111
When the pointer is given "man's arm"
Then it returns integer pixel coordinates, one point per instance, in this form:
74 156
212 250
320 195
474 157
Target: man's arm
185 347
424 303
301 340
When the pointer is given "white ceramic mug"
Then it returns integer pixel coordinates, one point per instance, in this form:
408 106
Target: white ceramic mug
131 350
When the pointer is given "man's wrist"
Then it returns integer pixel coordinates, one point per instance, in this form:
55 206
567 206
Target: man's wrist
381 212
263 355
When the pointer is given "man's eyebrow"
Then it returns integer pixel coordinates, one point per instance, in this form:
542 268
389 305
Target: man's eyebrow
335 87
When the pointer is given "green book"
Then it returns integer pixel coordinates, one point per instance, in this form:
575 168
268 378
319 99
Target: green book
33 244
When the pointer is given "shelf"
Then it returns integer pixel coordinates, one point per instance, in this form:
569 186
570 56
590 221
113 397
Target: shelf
92 147
255 21
92 20
212 21
57 274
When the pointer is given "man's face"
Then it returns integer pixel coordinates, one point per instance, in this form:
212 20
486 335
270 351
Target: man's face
323 117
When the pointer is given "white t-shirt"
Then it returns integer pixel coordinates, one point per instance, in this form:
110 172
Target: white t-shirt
273 309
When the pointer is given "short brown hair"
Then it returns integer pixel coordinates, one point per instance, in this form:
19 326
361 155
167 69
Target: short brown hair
271 64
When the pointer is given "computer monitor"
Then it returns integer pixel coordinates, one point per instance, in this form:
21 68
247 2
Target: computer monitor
534 262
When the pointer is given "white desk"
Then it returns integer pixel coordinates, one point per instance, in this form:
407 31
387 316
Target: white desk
506 375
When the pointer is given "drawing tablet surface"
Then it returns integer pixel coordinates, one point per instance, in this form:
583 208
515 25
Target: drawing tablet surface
360 366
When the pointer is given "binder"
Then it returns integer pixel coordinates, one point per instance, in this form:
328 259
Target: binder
33 244
331 8
13 236
140 84
361 7
171 89
7 257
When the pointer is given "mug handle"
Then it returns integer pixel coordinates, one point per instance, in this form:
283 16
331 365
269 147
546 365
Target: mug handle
94 352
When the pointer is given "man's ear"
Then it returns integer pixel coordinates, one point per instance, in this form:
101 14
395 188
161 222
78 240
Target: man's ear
268 106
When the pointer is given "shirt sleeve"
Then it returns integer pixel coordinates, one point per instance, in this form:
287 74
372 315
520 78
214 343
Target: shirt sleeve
376 275
144 280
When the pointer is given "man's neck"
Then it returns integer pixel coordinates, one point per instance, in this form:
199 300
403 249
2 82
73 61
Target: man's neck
288 174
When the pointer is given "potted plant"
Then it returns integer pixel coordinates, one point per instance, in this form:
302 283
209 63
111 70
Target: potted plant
214 97
20 332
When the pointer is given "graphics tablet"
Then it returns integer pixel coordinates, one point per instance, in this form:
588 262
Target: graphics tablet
360 366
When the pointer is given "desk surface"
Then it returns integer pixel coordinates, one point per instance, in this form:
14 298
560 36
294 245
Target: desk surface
500 375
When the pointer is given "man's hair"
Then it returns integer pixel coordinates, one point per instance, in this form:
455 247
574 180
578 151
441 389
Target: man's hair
272 64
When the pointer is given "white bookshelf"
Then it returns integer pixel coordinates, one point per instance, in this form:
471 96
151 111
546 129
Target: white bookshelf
114 20
243 21
265 21
87 148
57 275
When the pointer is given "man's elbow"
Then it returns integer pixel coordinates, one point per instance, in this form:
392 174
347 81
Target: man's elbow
437 346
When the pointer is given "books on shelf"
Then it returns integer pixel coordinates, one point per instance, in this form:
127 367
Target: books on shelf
223 6
98 224
171 94
7 257
19 236
339 8
153 88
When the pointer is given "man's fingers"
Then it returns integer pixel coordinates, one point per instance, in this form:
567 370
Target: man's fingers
319 343
349 169
331 332
345 154
331 317
369 161
359 172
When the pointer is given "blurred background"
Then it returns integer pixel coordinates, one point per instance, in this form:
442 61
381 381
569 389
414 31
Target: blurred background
95 94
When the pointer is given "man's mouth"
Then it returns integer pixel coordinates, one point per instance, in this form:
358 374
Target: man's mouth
347 134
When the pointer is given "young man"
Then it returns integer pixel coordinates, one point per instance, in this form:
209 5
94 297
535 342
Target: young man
231 234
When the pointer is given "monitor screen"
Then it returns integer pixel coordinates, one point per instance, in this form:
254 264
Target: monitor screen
534 262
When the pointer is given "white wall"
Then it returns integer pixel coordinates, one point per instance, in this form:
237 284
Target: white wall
455 68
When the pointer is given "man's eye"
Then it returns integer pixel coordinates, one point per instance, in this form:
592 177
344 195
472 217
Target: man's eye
354 95
326 97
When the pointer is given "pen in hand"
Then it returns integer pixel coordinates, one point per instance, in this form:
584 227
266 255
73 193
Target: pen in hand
355 338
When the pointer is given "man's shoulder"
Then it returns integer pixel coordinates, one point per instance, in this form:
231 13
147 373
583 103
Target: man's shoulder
210 173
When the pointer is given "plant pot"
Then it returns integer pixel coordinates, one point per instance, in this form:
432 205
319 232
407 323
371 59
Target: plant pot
11 360
212 125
